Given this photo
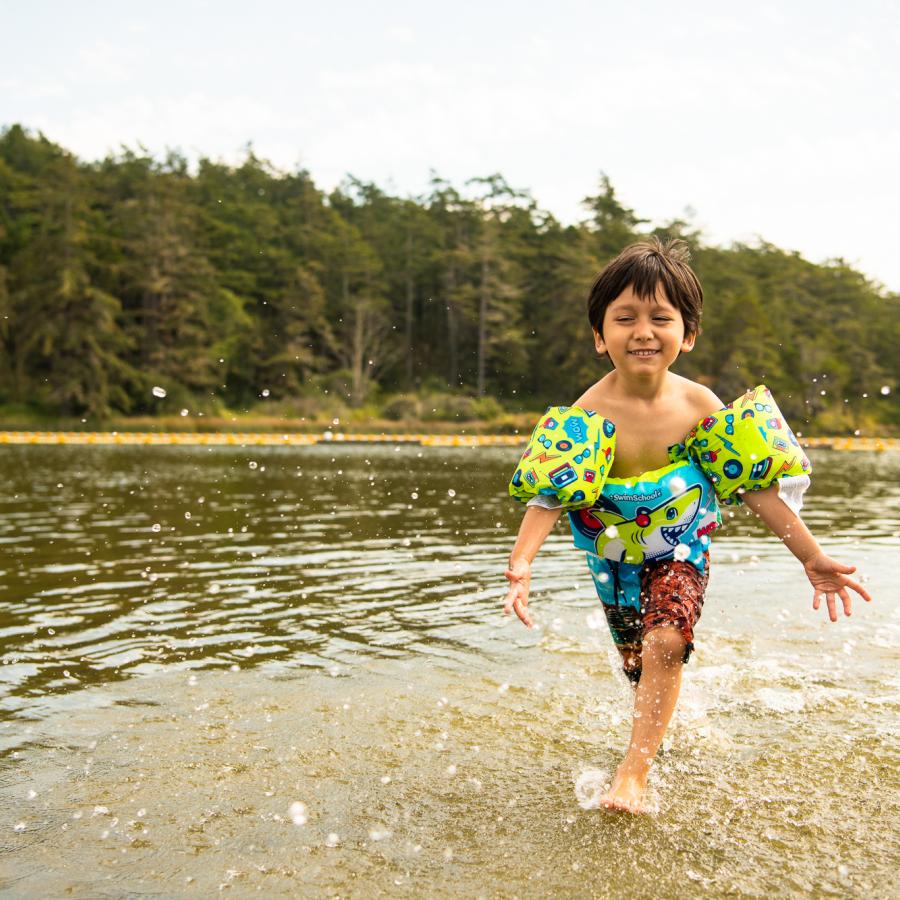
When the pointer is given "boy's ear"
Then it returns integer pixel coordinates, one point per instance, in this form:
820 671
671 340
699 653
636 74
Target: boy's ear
599 343
688 343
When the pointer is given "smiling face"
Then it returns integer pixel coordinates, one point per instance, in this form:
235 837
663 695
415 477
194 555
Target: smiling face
642 335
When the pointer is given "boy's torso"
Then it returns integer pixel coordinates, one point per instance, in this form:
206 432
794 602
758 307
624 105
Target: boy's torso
646 429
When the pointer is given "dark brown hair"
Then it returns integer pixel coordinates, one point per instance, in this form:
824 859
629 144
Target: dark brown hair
644 267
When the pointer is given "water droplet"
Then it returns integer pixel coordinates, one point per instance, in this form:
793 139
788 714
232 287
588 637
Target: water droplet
265 392
379 833
158 391
451 493
184 412
681 552
885 390
503 687
187 515
414 495
332 840
156 527
385 779
21 826
253 464
612 532
677 485
603 578
451 770
297 812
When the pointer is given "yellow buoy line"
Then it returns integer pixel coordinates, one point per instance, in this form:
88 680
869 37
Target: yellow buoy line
296 439
256 439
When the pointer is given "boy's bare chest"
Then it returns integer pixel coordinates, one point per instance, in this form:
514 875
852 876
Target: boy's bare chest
643 438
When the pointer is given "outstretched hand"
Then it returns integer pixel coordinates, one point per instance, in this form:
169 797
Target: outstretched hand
519 577
829 580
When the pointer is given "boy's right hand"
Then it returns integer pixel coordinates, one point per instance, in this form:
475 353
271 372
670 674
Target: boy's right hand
519 576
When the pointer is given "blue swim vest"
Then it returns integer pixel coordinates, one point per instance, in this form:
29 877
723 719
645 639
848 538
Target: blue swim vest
666 513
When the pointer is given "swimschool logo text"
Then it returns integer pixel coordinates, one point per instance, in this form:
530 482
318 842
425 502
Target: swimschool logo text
637 498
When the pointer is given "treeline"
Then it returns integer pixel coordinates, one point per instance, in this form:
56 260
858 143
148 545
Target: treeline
225 284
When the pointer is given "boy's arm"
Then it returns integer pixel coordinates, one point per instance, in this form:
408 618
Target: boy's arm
537 523
827 576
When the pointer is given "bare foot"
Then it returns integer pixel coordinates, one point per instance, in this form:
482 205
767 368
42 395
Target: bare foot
626 794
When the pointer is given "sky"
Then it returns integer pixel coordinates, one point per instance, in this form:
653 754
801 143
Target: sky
777 121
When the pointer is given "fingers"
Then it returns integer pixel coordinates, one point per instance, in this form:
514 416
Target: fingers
517 602
829 602
522 612
858 588
511 595
845 598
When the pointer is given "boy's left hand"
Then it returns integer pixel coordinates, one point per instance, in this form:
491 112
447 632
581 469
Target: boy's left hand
829 579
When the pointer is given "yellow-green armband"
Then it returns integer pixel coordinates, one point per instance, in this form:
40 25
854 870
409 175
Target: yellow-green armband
567 459
748 446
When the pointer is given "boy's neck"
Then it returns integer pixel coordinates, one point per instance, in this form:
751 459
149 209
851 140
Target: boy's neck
653 387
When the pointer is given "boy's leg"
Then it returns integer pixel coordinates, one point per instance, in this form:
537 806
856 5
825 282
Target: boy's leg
671 599
654 702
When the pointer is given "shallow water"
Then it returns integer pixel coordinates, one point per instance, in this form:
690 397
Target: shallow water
301 628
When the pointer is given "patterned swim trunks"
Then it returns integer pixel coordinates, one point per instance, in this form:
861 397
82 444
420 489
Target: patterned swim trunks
671 594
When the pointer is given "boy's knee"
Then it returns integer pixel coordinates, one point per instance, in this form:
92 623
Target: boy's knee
667 643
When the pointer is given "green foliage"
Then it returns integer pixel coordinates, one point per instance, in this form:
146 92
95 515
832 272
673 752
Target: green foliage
230 285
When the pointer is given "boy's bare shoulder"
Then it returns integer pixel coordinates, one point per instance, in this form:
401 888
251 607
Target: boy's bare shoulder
593 398
701 398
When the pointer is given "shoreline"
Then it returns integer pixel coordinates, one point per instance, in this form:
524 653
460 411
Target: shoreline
330 436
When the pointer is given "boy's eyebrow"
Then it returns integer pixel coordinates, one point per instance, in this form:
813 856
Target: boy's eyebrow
630 307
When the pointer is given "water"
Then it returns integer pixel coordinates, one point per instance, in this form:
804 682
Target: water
305 631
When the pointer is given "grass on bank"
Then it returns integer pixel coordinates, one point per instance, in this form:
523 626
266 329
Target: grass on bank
435 412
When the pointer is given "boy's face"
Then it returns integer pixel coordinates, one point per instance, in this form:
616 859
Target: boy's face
643 336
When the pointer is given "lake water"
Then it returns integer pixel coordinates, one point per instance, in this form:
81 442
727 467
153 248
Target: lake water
285 671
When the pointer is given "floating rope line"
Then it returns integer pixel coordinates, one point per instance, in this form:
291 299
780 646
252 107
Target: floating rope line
266 439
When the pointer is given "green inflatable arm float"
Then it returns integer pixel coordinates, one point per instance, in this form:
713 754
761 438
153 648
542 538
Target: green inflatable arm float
748 446
567 459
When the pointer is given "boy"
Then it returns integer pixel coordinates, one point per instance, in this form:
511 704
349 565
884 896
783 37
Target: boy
645 309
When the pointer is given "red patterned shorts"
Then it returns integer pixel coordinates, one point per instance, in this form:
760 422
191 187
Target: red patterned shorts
671 594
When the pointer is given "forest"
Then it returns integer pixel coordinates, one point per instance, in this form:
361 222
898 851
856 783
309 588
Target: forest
248 290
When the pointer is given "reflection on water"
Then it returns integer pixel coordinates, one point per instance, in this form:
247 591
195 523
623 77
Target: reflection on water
195 639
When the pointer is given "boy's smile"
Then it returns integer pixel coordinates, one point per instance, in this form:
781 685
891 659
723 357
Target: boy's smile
642 333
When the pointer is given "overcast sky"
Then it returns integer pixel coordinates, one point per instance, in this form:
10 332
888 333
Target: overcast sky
779 120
